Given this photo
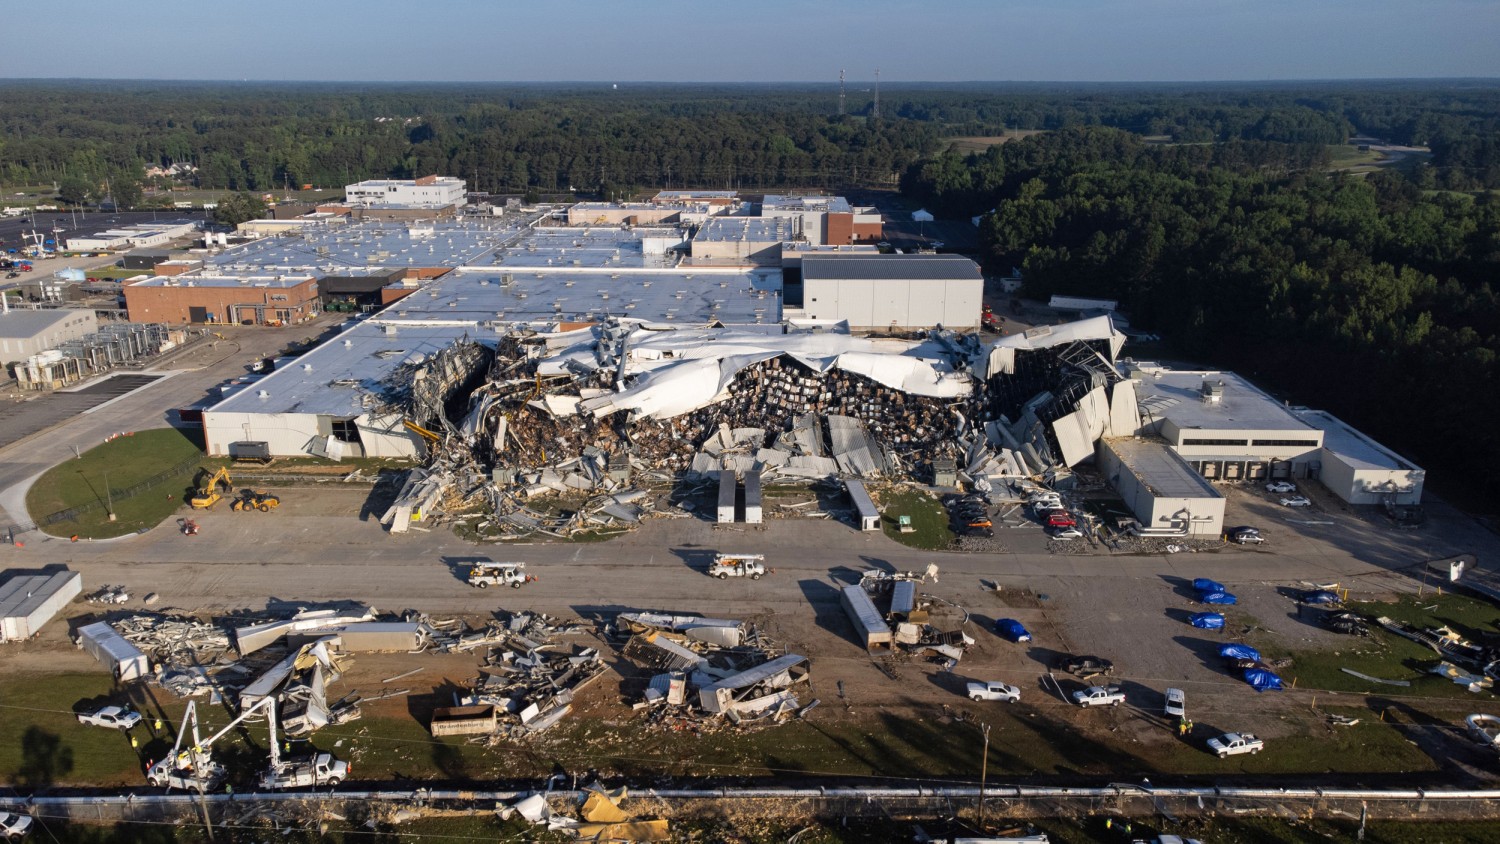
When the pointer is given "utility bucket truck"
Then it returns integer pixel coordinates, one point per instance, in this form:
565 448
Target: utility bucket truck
752 566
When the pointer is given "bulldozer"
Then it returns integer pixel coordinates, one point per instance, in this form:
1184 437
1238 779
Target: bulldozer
255 499
209 483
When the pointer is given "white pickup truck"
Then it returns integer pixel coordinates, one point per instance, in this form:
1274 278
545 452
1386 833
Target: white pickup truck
752 566
1233 744
994 691
117 717
321 769
1099 696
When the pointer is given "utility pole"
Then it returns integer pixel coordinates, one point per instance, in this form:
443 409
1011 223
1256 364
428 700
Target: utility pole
841 93
877 94
109 500
984 767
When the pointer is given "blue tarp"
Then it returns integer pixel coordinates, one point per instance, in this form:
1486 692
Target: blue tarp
1262 680
1207 621
1239 652
1203 584
1218 598
1321 596
1012 630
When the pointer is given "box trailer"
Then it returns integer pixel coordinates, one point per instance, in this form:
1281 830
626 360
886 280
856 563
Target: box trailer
29 601
728 487
754 511
903 599
864 507
124 660
870 629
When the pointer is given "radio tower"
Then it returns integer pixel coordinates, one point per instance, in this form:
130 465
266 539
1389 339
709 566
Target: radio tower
841 93
877 94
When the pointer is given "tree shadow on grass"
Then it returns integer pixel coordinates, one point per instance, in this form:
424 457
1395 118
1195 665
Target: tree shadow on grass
44 758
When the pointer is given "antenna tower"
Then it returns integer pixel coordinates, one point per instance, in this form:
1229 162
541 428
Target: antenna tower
877 93
841 93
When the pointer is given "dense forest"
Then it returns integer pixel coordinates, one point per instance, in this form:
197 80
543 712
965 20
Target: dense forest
1208 210
511 138
1368 296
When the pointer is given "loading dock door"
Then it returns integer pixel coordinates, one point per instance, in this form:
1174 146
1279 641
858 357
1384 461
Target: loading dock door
196 314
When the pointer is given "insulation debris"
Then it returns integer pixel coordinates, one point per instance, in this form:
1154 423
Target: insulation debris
562 433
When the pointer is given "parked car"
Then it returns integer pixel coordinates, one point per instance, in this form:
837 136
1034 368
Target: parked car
1012 630
1065 533
13 826
994 690
1099 696
1059 519
1296 501
111 716
1281 486
1085 666
1245 536
1176 705
1233 744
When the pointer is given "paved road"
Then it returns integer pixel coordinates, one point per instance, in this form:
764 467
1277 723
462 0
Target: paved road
44 411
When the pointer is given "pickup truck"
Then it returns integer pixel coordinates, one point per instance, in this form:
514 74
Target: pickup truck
994 691
13 827
111 716
321 769
1233 744
1099 696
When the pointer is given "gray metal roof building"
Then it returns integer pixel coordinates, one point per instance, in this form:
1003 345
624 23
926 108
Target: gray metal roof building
893 292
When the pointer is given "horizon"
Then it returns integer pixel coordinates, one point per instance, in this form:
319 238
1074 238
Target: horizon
778 41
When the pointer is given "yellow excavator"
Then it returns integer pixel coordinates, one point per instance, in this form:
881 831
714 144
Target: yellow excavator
209 483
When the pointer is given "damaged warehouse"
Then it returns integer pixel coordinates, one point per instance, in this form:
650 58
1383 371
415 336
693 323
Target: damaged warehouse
592 410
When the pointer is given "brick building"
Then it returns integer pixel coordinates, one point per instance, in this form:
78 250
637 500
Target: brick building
258 300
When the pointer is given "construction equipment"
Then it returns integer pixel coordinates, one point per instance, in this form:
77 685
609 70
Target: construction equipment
724 566
190 768
500 574
299 771
431 438
209 484
256 499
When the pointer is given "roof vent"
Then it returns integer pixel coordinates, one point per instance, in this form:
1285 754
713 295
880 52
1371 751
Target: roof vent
265 394
1213 392
307 367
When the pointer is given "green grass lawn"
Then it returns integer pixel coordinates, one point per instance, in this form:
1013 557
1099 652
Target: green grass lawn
1391 657
44 743
928 518
127 461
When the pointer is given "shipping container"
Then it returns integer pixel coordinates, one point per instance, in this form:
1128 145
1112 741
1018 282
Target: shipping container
864 506
728 488
754 511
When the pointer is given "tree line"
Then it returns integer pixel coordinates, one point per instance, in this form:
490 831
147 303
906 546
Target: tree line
1368 296
513 138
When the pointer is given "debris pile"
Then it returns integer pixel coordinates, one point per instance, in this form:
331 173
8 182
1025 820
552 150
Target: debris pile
183 649
910 615
711 670
109 595
528 676
602 818
587 413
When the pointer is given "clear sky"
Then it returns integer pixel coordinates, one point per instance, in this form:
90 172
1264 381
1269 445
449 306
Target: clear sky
753 40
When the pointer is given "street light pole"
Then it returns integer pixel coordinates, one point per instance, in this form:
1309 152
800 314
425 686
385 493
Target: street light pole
984 766
109 500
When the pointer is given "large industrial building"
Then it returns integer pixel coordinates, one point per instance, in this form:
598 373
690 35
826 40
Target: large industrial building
689 318
893 292
427 192
1226 429
27 333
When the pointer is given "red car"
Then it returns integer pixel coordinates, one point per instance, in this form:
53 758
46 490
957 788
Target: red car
1059 518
